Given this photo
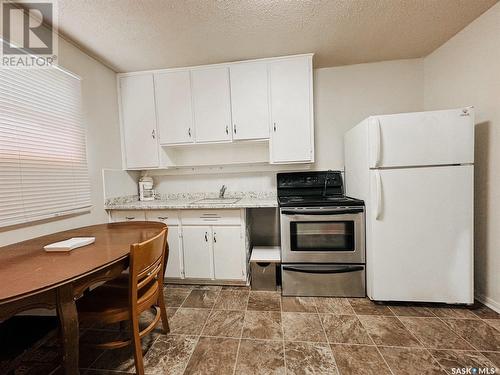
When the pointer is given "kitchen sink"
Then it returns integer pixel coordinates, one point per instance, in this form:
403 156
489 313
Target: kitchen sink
217 200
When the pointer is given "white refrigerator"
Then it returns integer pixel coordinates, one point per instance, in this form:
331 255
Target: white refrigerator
415 172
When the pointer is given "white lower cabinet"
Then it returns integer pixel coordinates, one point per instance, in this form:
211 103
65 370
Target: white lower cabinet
197 243
203 244
214 244
228 259
175 258
174 263
213 252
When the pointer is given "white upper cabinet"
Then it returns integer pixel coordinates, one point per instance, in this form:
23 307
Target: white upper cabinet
291 110
166 111
211 100
139 121
173 103
250 100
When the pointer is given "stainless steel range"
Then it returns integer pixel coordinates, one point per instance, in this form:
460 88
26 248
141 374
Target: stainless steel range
322 236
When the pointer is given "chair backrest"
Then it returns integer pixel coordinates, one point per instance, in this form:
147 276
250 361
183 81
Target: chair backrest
147 262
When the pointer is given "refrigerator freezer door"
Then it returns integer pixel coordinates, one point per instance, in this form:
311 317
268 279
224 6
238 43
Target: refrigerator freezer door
420 235
421 138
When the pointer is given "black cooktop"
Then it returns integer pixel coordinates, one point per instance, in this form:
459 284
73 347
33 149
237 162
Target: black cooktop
313 189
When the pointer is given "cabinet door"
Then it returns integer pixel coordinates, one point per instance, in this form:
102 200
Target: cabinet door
197 245
139 121
291 110
175 115
170 217
228 253
250 100
212 109
174 262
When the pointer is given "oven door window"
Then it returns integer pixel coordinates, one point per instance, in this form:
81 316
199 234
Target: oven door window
322 236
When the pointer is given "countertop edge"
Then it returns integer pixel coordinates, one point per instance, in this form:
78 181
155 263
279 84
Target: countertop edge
188 206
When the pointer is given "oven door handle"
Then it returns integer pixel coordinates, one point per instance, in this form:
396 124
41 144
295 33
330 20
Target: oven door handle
323 212
323 269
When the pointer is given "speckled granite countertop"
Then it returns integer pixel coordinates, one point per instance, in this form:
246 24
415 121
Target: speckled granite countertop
191 201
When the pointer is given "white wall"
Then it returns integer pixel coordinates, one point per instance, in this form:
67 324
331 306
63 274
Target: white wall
343 96
235 182
119 183
466 71
103 140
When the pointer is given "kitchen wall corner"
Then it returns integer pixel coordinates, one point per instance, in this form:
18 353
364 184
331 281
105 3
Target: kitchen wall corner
462 72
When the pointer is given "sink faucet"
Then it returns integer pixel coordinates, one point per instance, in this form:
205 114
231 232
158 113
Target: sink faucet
222 191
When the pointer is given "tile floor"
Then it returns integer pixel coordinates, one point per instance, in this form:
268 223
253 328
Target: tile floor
232 330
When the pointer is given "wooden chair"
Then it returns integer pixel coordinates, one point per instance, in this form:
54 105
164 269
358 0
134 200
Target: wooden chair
122 280
110 304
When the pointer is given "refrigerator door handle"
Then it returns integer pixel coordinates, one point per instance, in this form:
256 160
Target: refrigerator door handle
378 184
376 141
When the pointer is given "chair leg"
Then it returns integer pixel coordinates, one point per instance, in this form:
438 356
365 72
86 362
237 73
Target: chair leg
136 341
163 311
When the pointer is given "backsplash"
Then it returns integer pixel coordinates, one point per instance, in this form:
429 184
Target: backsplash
123 186
211 183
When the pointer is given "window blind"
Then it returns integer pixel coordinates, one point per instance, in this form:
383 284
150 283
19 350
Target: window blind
43 161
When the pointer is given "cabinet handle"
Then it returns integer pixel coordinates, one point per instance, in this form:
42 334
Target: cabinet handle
227 129
234 128
189 132
215 237
153 134
274 126
163 217
206 237
129 217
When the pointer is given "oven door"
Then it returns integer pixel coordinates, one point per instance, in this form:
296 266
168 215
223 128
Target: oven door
323 235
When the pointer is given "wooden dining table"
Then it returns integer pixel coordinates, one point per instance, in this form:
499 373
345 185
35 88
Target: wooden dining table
31 278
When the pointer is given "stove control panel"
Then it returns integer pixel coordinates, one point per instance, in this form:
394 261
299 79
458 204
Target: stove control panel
317 179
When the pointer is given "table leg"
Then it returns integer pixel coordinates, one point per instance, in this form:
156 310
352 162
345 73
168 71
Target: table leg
68 319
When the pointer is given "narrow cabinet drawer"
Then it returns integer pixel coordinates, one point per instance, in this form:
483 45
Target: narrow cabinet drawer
169 217
128 215
204 217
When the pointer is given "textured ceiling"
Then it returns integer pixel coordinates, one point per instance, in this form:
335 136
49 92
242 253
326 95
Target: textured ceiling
130 35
